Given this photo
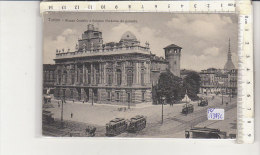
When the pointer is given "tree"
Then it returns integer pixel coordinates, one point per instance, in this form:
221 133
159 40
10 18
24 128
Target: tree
170 87
191 85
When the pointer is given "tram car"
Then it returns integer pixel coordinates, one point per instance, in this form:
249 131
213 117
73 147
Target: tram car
187 108
200 132
203 102
116 127
137 123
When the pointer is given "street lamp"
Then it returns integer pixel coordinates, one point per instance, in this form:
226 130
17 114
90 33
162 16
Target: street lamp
63 100
162 101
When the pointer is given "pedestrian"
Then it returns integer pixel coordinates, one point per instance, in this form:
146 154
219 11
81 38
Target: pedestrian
71 115
226 103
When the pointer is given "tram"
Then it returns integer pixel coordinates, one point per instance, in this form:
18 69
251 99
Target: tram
116 127
137 123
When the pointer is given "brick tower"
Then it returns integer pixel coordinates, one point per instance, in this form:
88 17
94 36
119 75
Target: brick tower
173 55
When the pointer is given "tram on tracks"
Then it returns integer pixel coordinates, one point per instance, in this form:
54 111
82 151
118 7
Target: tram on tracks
116 127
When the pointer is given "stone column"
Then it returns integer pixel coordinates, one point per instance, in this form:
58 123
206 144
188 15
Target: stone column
123 74
105 73
92 73
76 74
62 76
148 71
100 72
114 74
135 73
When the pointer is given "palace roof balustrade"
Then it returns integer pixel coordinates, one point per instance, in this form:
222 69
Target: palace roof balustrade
100 52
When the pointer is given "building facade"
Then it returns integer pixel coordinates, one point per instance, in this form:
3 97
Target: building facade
220 80
116 72
49 78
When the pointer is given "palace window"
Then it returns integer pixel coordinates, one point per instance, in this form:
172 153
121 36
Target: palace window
142 77
51 75
109 96
109 77
81 75
71 93
143 96
59 77
119 76
129 77
129 63
117 96
72 77
65 77
97 74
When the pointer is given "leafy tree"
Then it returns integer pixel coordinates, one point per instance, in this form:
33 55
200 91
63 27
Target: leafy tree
191 84
170 87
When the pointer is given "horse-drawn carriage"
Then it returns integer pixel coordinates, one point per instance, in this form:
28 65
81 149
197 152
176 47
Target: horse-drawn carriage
90 131
203 102
187 108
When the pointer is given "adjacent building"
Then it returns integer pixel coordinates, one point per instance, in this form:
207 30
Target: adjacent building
220 80
48 78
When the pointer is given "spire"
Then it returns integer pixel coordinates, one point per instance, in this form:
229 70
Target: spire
229 51
229 64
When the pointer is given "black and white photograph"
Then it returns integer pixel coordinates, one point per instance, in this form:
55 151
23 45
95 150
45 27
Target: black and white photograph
140 75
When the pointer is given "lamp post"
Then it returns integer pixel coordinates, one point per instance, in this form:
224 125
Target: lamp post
62 100
92 97
162 101
221 84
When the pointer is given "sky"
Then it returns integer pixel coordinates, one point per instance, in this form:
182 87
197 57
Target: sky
203 37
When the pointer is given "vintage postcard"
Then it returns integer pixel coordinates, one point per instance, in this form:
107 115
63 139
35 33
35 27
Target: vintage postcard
145 75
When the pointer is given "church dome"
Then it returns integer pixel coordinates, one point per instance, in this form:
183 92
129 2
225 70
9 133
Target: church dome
128 36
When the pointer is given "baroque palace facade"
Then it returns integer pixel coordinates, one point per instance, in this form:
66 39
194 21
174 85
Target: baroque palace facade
115 72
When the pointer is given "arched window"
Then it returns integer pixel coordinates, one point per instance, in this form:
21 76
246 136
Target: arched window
119 76
129 77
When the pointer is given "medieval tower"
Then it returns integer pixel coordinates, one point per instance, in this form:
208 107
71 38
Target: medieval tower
173 55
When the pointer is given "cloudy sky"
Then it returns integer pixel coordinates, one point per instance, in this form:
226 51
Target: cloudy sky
203 37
